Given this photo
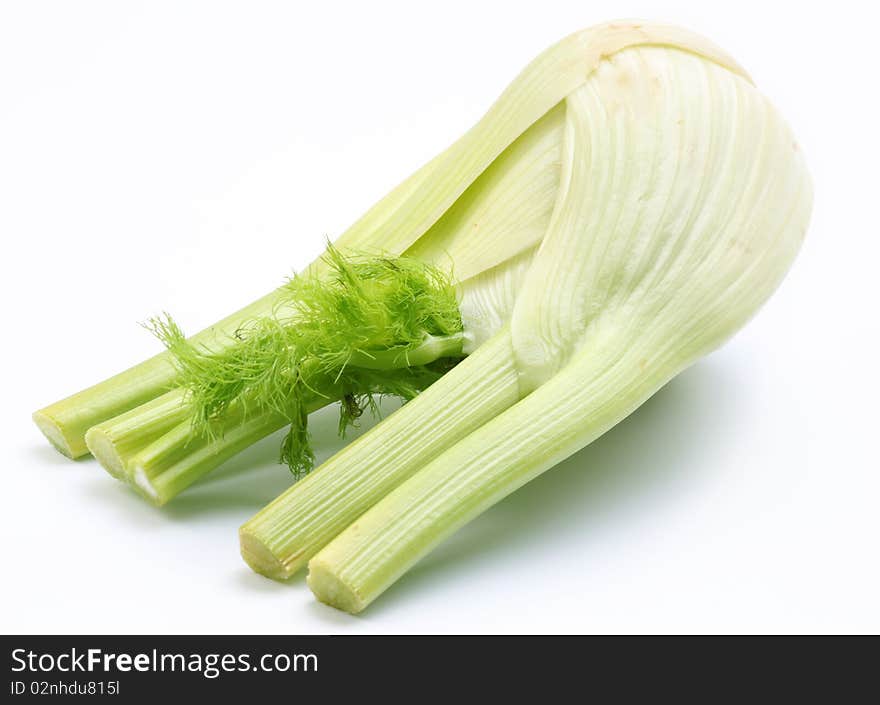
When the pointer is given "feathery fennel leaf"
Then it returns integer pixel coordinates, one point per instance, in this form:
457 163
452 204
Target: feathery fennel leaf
375 325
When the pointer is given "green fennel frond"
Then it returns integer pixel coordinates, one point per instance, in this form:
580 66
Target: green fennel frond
368 326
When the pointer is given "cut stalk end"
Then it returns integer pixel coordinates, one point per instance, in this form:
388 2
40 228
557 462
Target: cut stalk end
72 447
102 447
330 589
145 487
262 560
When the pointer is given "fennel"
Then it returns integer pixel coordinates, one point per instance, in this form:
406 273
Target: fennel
627 204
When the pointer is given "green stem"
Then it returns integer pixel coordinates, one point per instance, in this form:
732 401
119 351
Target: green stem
66 422
433 348
170 464
115 440
284 535
565 414
158 437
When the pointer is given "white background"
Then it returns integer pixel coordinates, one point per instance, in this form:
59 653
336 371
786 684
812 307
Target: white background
187 157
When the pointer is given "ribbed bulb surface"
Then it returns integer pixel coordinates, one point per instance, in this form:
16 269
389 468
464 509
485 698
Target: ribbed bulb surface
683 200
